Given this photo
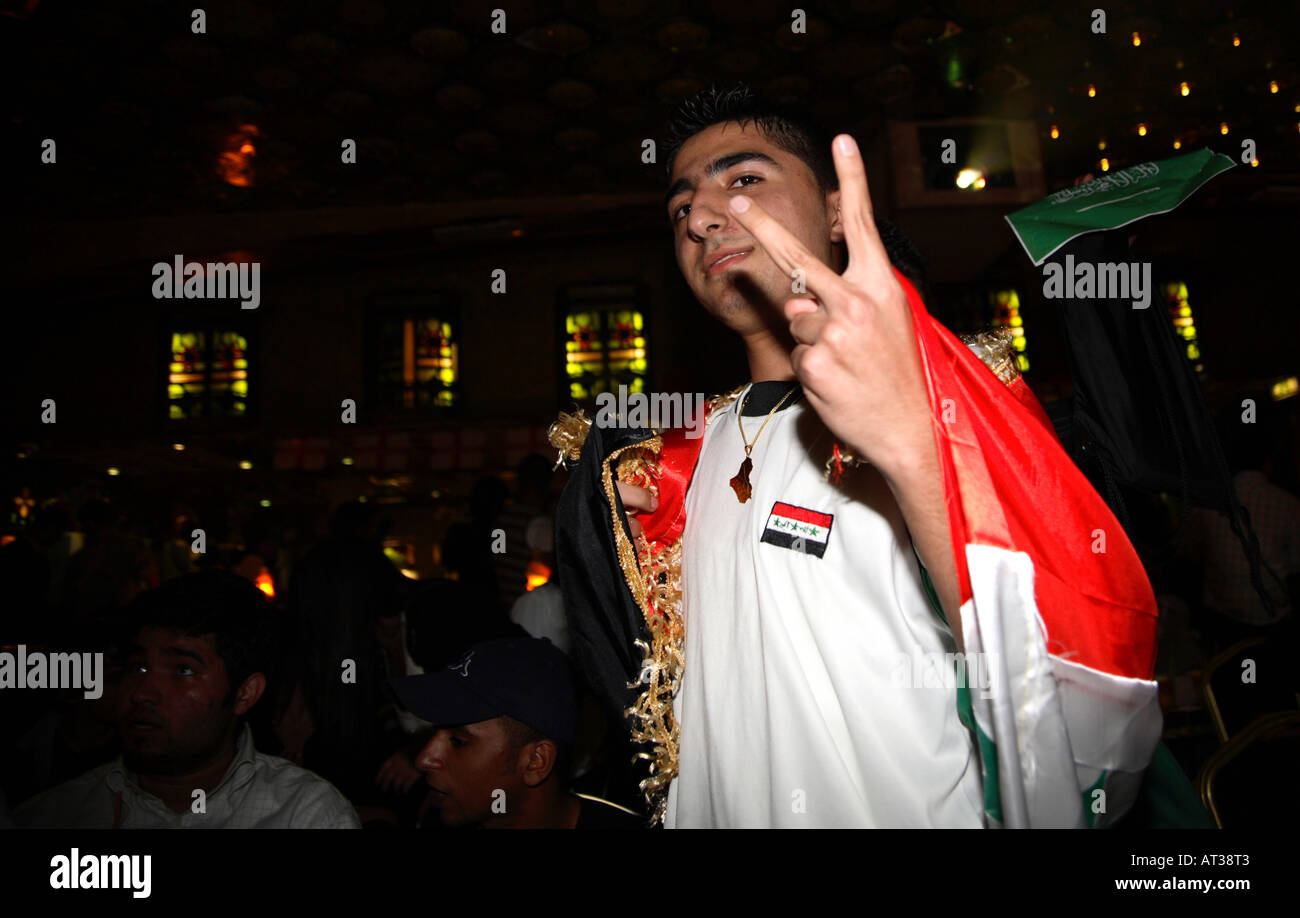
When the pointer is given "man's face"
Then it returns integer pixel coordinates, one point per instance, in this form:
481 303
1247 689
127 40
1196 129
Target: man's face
465 765
747 292
172 709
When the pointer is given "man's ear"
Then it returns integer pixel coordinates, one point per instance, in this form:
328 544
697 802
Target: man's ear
540 761
249 693
833 211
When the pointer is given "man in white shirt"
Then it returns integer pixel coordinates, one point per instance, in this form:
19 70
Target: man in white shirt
796 637
196 666
787 709
799 605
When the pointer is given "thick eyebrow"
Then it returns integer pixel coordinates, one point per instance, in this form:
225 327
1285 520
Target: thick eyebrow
183 652
719 165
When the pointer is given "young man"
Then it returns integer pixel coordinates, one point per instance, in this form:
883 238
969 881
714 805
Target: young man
780 615
196 665
506 716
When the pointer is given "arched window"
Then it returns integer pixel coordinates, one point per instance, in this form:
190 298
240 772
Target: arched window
605 343
1006 314
1184 325
208 374
418 362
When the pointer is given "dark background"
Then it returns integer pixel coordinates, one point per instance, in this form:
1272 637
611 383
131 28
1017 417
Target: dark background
523 151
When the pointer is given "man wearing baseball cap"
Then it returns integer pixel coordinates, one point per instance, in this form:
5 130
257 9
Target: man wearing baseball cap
505 717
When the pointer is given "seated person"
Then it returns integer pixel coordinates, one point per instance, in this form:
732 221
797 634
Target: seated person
505 718
197 652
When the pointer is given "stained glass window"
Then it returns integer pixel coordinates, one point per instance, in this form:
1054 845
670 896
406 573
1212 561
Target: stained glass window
1184 324
419 363
208 374
1006 314
604 348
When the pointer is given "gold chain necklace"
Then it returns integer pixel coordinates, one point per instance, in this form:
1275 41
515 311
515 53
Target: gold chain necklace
740 484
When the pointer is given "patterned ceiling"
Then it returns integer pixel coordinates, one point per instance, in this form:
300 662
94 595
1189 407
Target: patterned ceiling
152 119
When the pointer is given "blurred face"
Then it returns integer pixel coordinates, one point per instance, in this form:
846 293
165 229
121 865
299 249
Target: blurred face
745 292
172 709
465 765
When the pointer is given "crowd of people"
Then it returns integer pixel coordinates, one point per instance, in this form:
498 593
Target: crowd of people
337 701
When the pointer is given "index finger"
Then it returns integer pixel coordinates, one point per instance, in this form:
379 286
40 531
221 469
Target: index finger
786 250
867 255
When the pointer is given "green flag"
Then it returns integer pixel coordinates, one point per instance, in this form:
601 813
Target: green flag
1116 199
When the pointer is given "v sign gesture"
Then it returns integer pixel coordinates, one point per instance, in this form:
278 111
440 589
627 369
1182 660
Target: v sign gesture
855 352
857 357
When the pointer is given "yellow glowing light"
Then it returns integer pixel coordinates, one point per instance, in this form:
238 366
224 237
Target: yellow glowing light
264 582
535 575
1137 40
114 471
1101 145
1056 132
970 178
1142 130
1236 41
1285 388
1184 88
264 502
245 464
1178 144
1223 127
178 447
1092 91
1254 162
1272 86
348 460
1105 164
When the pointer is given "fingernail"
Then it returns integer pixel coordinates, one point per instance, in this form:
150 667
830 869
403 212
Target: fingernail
740 204
654 502
846 145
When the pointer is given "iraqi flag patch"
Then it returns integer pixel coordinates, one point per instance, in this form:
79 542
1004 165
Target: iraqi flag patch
798 529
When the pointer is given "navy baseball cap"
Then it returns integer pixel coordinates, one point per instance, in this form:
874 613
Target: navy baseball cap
526 678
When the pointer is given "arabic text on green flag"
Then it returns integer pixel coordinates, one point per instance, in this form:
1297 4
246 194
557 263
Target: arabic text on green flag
1113 200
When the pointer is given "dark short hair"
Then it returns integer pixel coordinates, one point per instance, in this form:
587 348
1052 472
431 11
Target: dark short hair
519 734
779 124
798 136
215 602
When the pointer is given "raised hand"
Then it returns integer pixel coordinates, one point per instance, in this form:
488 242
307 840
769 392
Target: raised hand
855 352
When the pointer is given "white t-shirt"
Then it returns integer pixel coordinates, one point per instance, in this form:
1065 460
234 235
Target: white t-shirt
540 612
790 705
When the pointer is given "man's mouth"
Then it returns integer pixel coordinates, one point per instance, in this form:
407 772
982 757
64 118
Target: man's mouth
722 264
139 722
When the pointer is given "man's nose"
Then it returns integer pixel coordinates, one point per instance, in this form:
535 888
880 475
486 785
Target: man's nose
145 688
430 757
709 212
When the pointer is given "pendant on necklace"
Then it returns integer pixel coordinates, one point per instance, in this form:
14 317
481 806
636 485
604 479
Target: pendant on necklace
740 484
